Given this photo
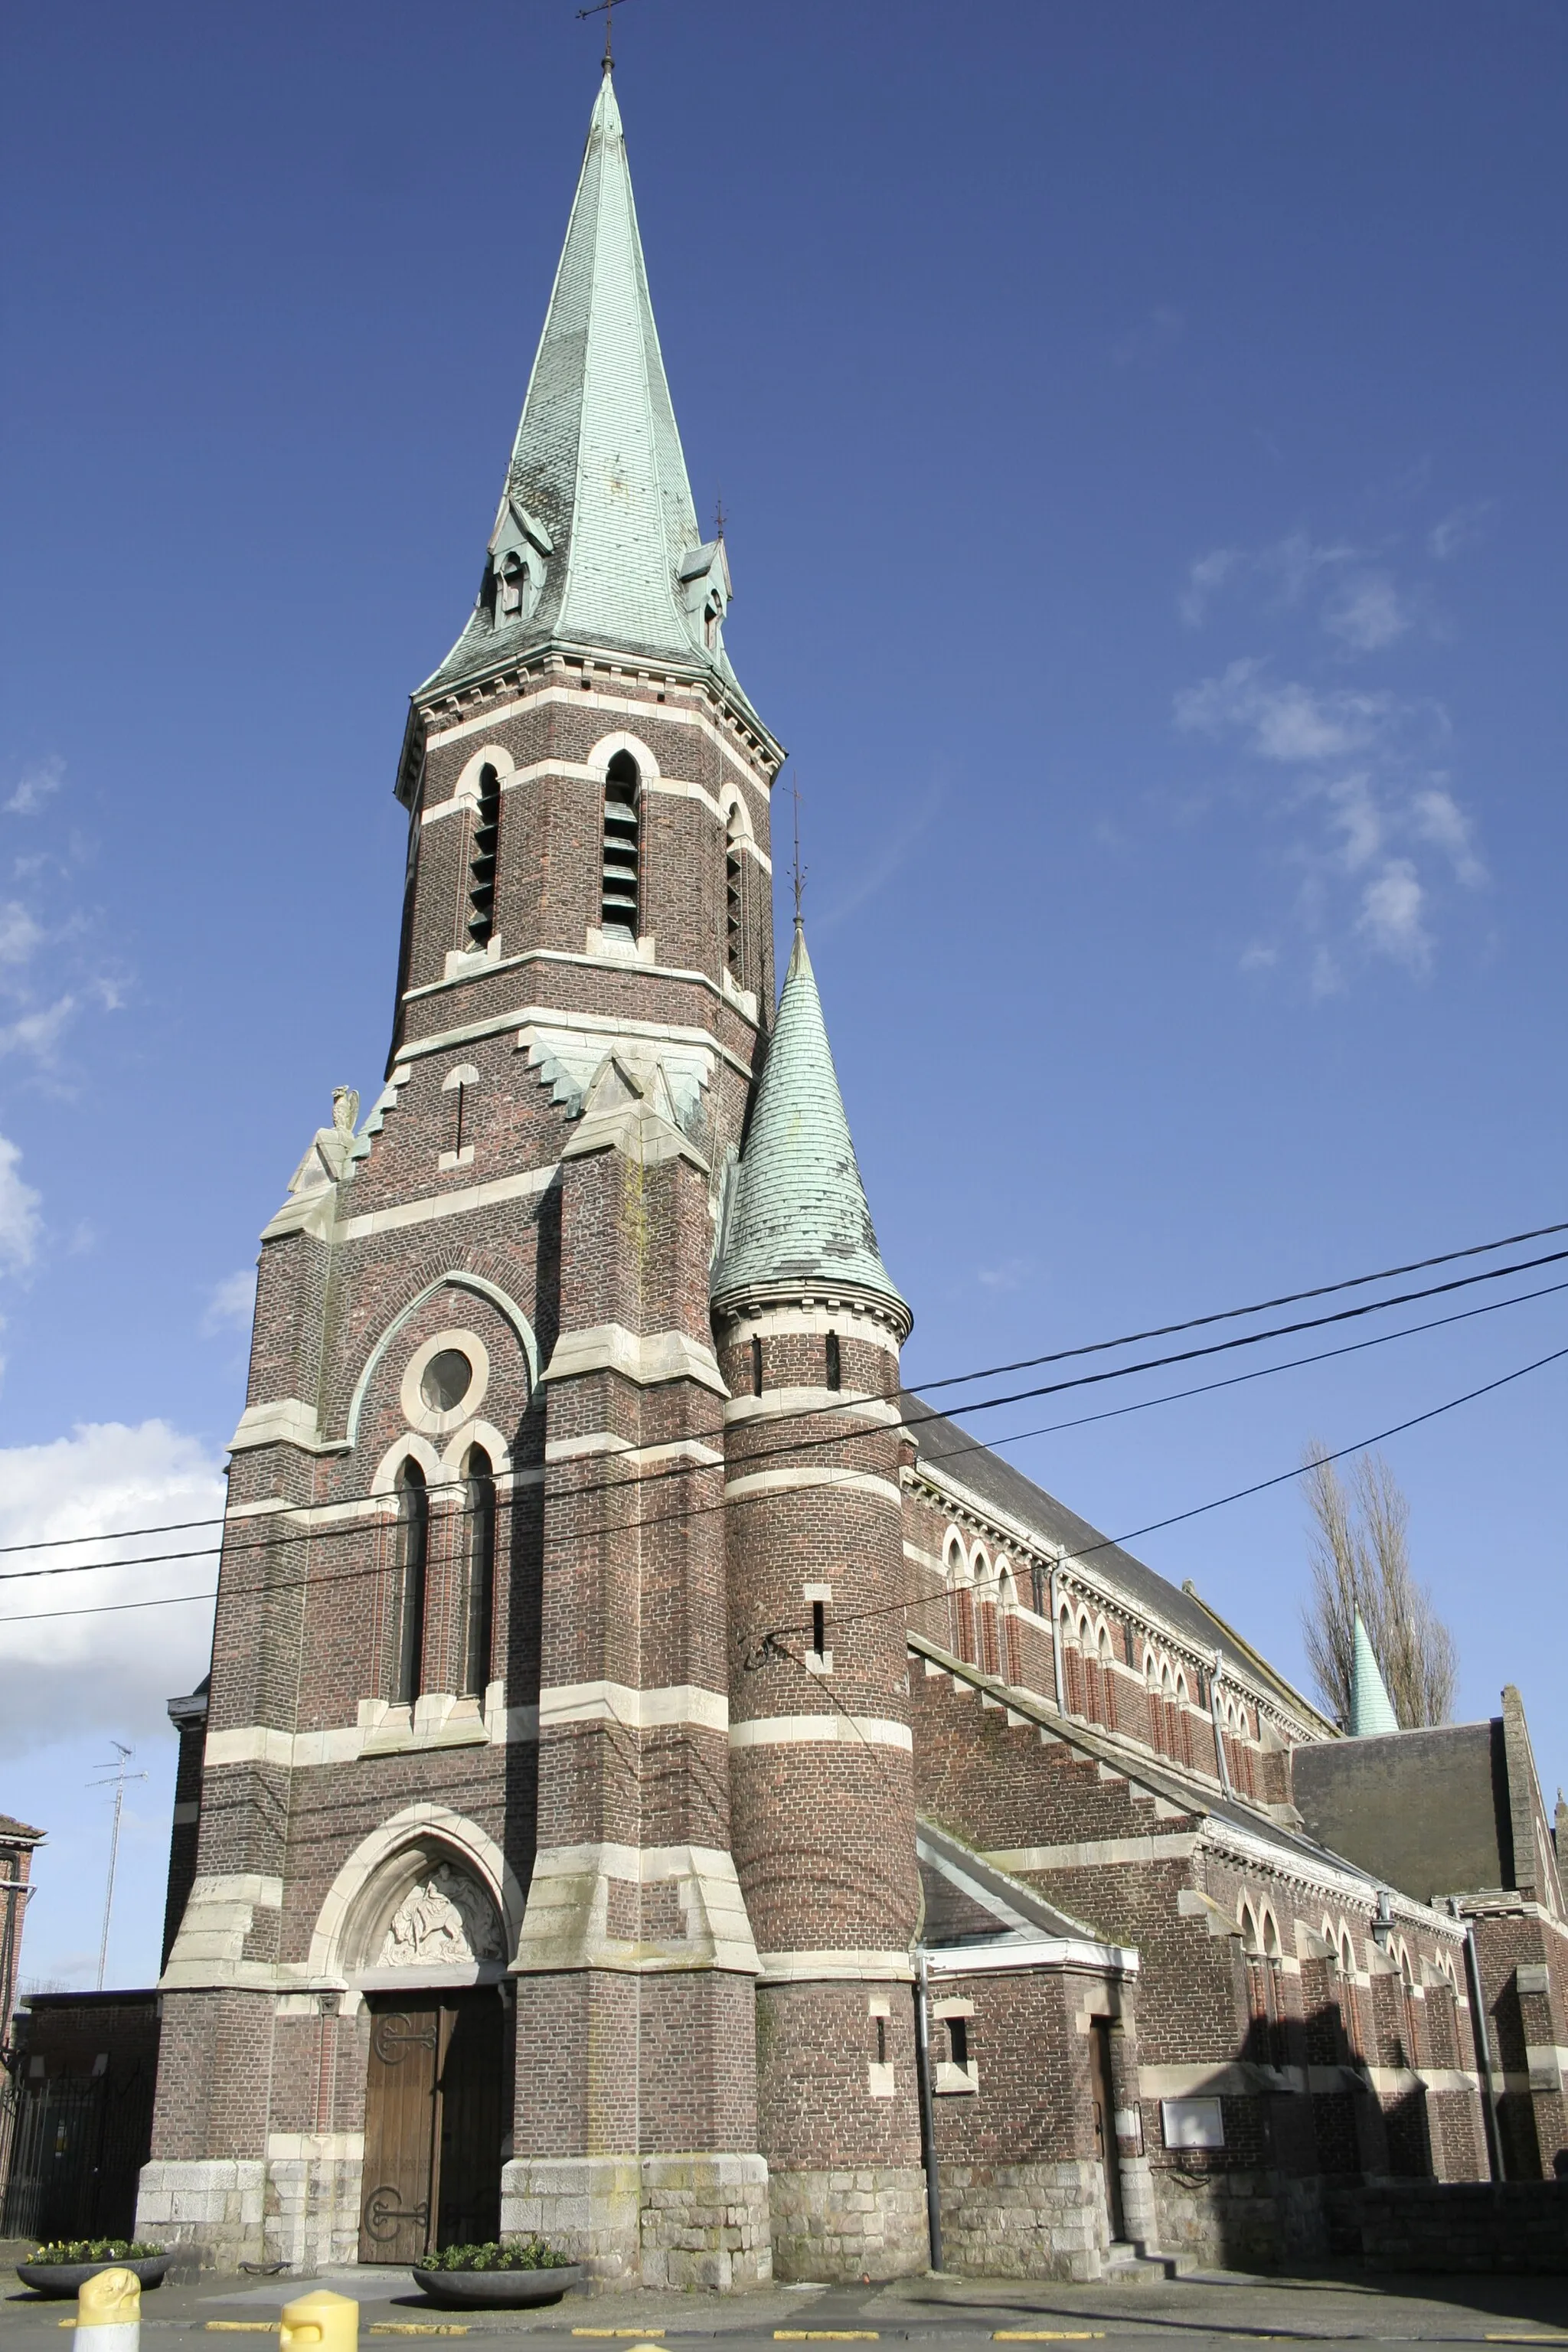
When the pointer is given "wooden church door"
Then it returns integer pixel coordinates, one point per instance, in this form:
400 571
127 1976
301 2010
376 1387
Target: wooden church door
436 2110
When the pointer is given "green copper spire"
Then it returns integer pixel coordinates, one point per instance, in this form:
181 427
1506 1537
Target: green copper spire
799 1217
1371 1710
596 543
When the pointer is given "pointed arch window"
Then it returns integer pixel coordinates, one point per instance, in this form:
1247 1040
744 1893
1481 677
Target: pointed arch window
479 1570
734 899
620 902
482 860
413 1554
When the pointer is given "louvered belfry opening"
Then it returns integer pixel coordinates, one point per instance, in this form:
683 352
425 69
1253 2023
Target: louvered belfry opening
623 827
482 863
733 946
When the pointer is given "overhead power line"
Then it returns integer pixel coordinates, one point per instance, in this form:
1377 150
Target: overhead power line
642 1481
1234 1314
1104 1543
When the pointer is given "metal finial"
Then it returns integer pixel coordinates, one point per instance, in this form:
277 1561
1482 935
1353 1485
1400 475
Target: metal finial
720 516
800 870
606 10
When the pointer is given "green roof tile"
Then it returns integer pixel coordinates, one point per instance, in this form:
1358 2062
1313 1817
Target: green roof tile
798 1214
596 518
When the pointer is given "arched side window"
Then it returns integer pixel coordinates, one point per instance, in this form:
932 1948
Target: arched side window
734 898
482 859
413 1553
620 899
479 1570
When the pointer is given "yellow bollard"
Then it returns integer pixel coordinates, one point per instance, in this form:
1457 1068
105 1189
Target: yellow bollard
109 2313
322 2321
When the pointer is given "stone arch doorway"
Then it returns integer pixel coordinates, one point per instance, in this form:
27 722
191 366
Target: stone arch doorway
431 1953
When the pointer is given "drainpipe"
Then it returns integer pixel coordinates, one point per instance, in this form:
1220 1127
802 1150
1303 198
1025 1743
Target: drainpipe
928 2120
1057 1643
1214 1717
1483 2046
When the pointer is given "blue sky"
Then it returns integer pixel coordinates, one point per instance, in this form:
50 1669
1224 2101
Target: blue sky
1140 435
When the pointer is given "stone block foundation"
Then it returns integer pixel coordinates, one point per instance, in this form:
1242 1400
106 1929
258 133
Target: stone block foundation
1025 2221
698 2221
212 2212
861 2221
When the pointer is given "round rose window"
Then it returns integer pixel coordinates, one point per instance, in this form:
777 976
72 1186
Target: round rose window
447 1380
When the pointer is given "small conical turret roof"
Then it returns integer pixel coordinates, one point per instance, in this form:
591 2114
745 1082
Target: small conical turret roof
1372 1709
799 1218
597 541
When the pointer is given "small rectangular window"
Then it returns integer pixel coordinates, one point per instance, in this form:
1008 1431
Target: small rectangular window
756 1368
882 2042
957 2039
819 1628
835 1369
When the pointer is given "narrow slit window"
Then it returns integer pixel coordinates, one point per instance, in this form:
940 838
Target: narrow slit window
482 861
621 891
835 1363
413 1555
957 2039
882 2042
819 1629
734 901
455 1115
479 1570
756 1368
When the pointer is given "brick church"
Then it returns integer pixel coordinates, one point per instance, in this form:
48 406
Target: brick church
635 1724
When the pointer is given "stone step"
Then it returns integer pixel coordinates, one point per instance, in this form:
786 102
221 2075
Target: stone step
1130 2261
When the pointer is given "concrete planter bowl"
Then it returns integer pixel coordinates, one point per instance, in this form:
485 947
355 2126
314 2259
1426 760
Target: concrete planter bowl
498 2290
61 2279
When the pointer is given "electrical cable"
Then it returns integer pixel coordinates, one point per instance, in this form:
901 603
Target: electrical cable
641 1481
1324 1290
1231 1314
1106 1543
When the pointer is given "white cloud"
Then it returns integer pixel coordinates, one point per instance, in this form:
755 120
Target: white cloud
1009 1275
1366 613
1439 819
1259 957
1358 819
231 1303
39 785
108 1672
1391 915
1286 721
1156 332
19 934
1297 560
1206 574
1457 530
19 1209
38 1032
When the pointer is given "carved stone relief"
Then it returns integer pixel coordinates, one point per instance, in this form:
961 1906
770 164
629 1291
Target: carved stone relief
445 1918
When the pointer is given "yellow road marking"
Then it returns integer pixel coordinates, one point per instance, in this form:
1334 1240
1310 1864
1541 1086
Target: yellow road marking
1525 2339
418 2327
827 2335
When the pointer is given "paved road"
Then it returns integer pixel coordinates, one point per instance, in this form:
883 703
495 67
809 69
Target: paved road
1212 2309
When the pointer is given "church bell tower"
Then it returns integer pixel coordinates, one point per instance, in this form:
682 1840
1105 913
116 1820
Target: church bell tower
466 1948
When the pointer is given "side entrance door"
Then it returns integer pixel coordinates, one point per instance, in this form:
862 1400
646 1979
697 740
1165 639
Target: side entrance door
436 2105
1105 2122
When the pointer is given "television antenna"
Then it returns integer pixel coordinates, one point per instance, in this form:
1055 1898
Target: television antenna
115 1779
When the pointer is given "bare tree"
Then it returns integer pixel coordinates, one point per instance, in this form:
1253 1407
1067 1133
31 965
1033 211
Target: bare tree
1361 1566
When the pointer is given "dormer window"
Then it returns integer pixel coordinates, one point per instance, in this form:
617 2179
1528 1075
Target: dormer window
513 585
623 846
713 614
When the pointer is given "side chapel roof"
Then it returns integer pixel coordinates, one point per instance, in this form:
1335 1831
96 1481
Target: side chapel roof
798 1214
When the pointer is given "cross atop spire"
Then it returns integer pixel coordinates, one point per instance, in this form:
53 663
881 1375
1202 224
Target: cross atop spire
596 543
605 8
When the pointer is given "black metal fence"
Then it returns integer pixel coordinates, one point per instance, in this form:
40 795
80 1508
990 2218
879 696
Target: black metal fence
77 2146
